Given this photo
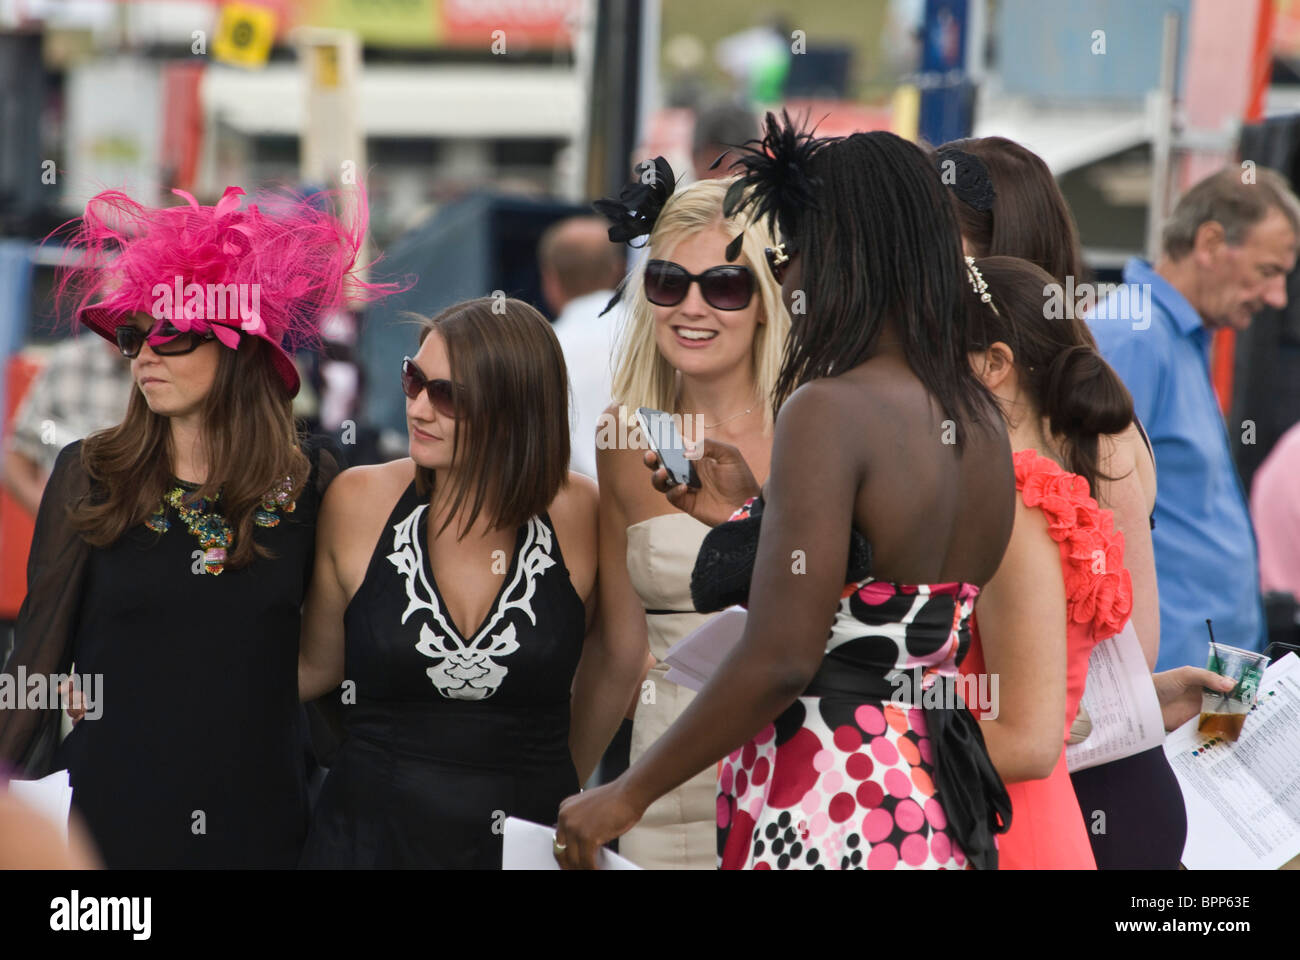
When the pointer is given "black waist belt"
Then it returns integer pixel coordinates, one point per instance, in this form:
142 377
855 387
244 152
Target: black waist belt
974 798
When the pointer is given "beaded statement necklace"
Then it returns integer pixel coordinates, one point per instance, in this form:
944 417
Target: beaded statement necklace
210 527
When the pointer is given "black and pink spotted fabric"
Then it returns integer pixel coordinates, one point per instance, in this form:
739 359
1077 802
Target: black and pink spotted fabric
839 783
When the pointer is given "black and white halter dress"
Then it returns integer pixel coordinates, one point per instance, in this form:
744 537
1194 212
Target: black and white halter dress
449 733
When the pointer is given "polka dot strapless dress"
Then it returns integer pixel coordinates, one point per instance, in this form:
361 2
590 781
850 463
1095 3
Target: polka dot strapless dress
845 781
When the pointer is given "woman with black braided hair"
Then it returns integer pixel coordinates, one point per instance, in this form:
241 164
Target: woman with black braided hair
891 472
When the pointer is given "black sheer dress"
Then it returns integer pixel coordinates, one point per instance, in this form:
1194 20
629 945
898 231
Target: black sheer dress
198 754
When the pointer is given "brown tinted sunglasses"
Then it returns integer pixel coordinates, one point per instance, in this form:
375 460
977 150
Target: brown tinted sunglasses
444 396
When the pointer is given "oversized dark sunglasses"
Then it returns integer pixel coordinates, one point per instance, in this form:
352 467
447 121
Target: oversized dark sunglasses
442 394
778 259
166 340
724 288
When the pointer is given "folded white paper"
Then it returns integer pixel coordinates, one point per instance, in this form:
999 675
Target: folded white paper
694 658
1121 700
1243 798
528 846
50 796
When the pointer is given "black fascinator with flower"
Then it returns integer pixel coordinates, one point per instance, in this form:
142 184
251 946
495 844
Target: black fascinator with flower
774 183
968 177
634 211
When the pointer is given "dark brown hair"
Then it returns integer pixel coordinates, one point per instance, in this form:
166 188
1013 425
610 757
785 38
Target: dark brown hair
515 404
1029 217
250 442
1057 361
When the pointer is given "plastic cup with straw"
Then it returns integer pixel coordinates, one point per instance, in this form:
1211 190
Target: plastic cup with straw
1224 712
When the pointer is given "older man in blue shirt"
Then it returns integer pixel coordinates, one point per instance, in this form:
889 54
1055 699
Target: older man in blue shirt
1227 249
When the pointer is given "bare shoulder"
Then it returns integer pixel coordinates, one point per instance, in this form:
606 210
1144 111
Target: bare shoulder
577 499
360 492
1126 470
582 487
880 390
573 513
1031 548
1117 453
619 464
878 403
820 406
1125 455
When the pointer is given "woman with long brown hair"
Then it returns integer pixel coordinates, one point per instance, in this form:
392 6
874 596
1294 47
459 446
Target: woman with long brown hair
172 552
1008 205
453 597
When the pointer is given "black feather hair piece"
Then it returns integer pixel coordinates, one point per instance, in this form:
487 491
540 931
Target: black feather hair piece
618 295
634 211
774 182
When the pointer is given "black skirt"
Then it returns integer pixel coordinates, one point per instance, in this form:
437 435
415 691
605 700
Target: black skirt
1146 821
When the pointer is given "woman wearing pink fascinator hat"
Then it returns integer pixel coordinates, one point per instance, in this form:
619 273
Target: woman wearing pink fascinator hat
270 270
172 551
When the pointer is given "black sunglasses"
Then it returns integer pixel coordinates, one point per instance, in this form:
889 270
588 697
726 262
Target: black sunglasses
778 259
724 288
130 340
443 394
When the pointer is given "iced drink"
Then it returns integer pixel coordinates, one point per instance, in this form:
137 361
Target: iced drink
1224 713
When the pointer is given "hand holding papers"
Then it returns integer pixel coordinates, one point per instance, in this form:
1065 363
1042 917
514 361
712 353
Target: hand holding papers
51 796
1243 798
527 846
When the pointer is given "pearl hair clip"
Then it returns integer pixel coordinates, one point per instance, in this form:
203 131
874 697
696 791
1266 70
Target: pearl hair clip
979 284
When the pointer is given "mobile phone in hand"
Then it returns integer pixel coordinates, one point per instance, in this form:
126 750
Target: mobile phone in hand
660 430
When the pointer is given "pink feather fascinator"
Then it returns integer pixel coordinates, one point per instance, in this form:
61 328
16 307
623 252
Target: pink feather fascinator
273 269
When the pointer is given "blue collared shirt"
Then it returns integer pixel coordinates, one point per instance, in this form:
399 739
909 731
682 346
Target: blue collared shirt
1206 560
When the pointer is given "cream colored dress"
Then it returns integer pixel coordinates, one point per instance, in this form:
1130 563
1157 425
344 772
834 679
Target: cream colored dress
679 830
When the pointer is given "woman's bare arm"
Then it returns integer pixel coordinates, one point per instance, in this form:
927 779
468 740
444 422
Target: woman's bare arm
320 647
612 658
798 576
1131 497
1021 616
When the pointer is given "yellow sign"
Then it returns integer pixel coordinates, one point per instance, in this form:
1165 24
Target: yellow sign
244 35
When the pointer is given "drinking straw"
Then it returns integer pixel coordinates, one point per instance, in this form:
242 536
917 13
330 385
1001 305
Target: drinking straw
1214 649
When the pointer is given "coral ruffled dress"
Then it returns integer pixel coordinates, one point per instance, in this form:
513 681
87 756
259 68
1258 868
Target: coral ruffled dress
1048 830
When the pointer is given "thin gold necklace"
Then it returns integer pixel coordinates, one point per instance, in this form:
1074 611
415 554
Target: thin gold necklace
710 426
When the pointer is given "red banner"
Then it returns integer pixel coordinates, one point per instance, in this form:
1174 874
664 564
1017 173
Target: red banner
528 23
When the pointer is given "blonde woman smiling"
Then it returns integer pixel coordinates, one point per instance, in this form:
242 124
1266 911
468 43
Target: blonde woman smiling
703 341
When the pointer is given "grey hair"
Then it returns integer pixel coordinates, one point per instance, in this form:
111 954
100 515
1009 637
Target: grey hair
1228 200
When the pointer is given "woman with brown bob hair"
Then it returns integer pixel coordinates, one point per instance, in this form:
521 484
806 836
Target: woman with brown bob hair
172 552
452 594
